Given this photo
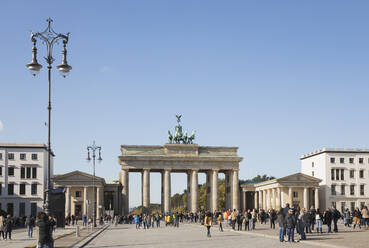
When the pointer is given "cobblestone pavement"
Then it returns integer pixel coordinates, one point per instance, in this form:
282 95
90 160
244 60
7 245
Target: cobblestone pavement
187 235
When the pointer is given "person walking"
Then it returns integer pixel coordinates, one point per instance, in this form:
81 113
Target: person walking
290 225
254 216
137 221
328 219
347 217
219 219
208 223
282 225
30 223
357 217
84 220
233 219
2 227
336 215
45 239
8 227
318 221
312 218
365 217
301 222
273 217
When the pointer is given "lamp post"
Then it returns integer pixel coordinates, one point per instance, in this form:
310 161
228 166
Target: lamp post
93 149
49 37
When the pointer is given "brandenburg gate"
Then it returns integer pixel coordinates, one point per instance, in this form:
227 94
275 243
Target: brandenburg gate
180 155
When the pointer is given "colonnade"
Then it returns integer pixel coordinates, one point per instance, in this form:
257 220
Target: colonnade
274 197
84 203
232 188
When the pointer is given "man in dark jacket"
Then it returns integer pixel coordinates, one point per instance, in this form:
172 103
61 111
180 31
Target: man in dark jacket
290 225
44 231
336 215
282 225
8 227
328 219
30 223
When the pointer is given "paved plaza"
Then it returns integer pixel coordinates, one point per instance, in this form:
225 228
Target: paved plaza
189 235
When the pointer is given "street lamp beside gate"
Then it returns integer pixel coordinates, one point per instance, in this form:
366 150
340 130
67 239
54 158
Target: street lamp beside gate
49 37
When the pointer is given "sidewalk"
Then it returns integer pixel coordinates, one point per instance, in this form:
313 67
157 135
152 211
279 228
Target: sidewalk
346 236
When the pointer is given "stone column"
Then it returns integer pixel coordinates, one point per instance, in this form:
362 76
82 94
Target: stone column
260 199
98 204
68 202
290 196
146 188
214 191
316 196
273 198
124 180
256 200
278 199
208 190
85 201
306 198
188 190
228 189
269 199
194 191
162 191
235 190
264 200
167 190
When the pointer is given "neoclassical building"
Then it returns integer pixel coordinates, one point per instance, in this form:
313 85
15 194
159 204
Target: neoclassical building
297 189
79 194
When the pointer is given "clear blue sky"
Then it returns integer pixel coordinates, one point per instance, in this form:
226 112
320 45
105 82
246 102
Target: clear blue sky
276 78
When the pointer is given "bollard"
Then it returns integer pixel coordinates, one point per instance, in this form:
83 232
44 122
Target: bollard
77 230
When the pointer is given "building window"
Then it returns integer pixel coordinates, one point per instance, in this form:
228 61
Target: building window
362 204
362 189
343 189
361 160
10 171
351 160
312 173
23 172
78 193
352 206
352 189
295 194
10 208
333 160
343 207
33 209
332 174
334 204
337 174
361 173
34 156
22 189
11 156
342 174
333 190
22 209
1 171
34 172
34 189
342 160
22 156
312 164
352 173
28 174
1 189
1 156
11 189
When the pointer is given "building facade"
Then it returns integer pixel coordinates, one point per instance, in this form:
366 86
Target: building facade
297 190
79 194
23 177
344 174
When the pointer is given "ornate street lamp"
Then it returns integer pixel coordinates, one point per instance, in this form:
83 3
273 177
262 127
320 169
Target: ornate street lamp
93 149
49 37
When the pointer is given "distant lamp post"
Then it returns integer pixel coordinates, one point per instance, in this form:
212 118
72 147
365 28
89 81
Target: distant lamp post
94 149
49 37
